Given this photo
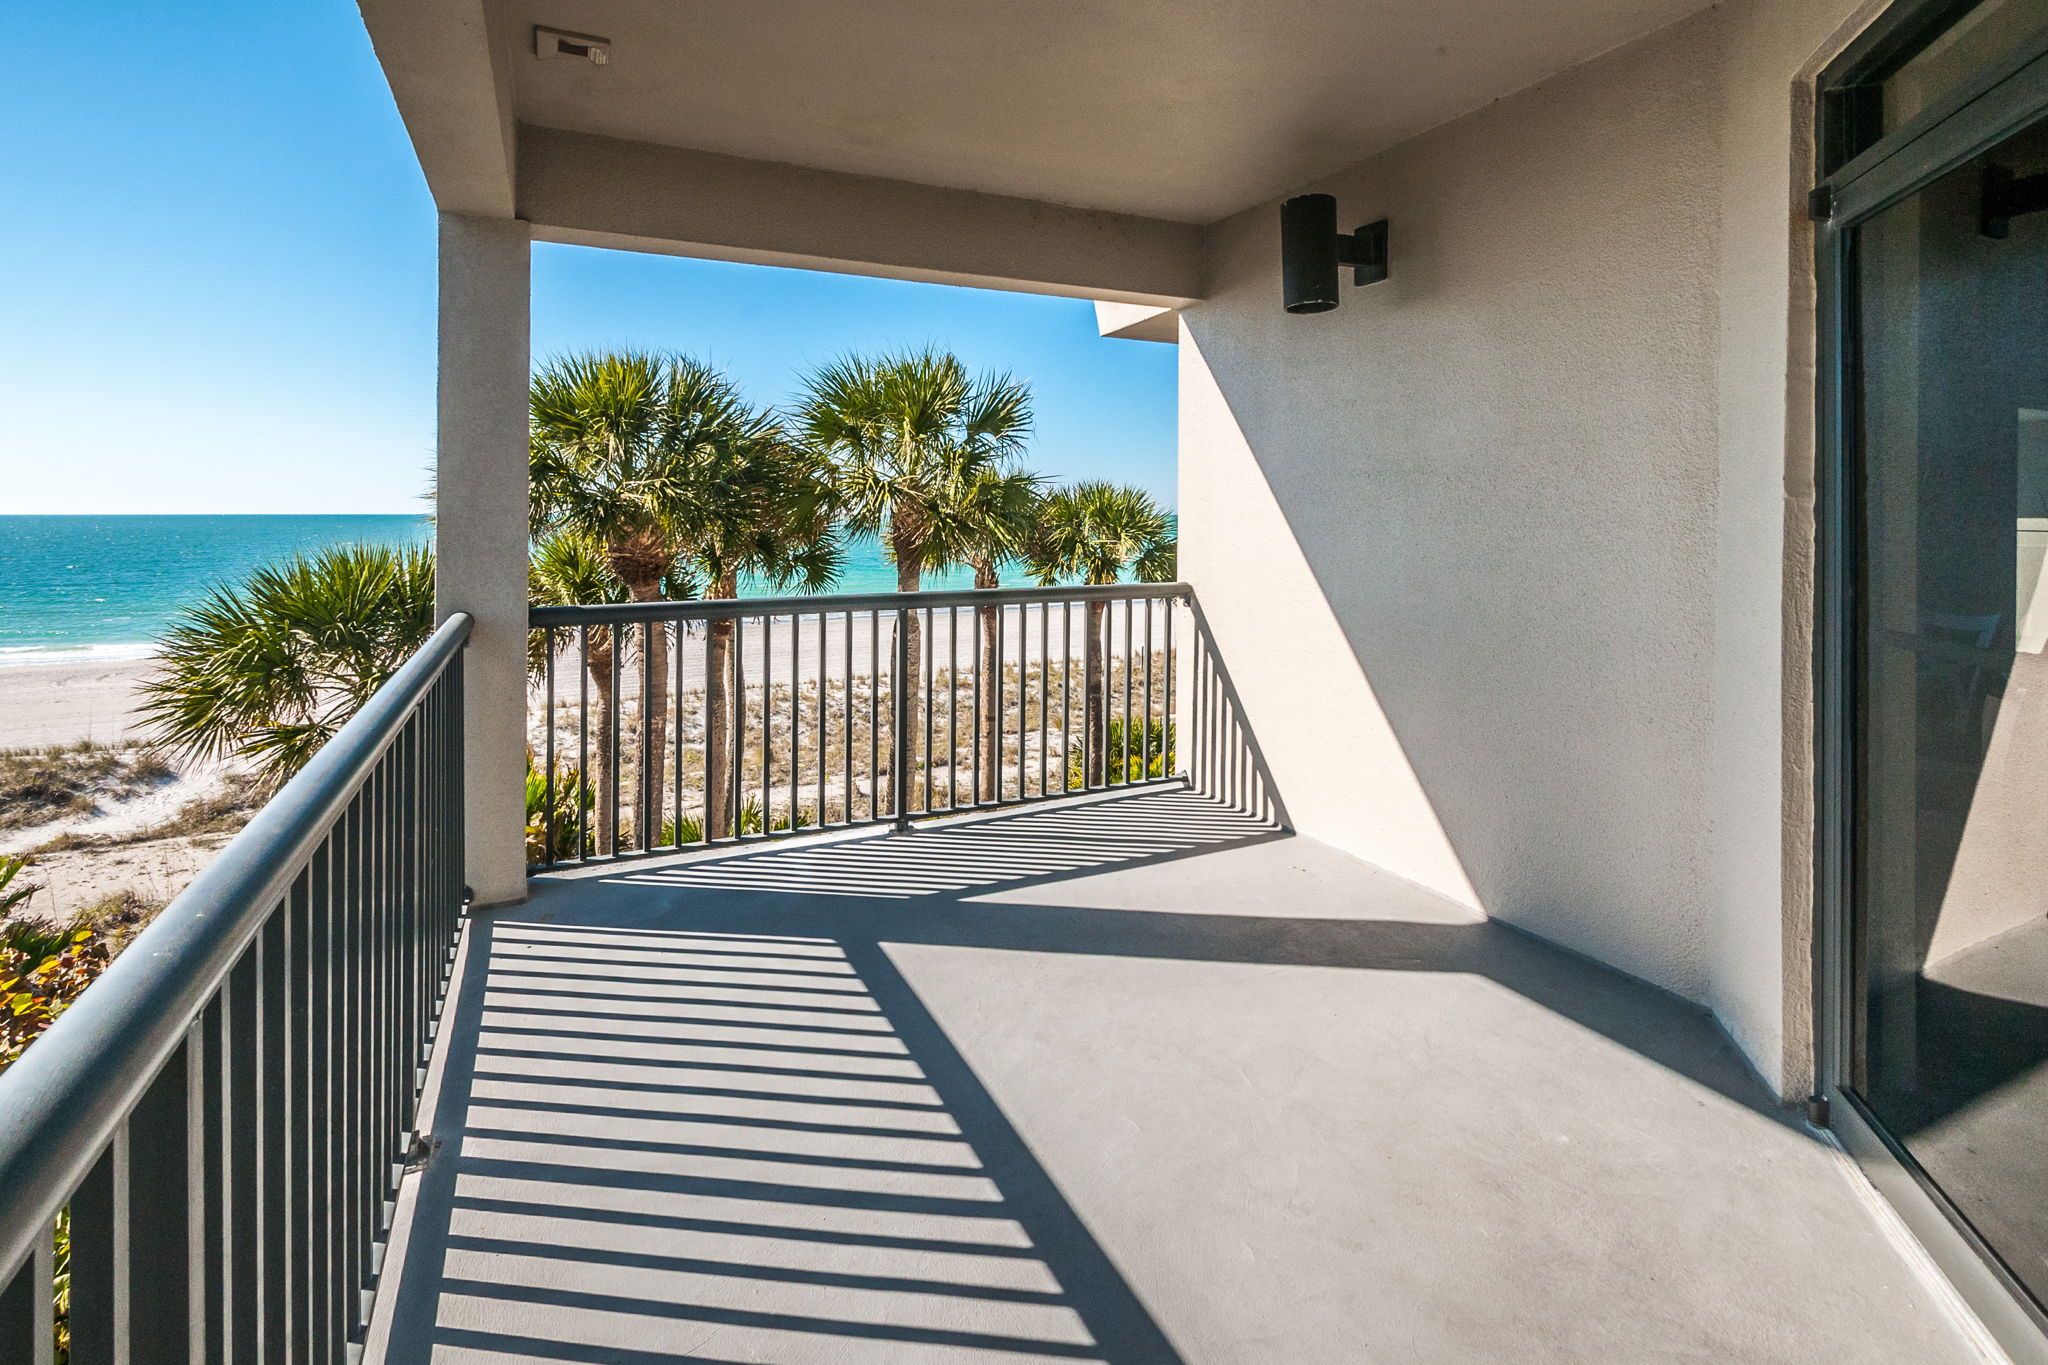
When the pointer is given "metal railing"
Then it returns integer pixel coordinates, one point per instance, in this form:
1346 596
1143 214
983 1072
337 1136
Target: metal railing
661 726
219 1122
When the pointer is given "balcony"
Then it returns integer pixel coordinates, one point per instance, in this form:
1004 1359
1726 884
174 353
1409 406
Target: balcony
1079 1070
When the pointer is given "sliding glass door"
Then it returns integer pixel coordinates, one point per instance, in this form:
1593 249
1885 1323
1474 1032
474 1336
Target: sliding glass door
1935 614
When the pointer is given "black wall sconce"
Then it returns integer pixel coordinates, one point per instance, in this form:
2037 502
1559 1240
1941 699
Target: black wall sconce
1312 250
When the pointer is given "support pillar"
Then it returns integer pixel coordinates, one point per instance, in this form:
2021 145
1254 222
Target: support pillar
480 531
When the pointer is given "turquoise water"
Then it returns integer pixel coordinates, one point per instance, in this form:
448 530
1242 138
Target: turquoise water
74 589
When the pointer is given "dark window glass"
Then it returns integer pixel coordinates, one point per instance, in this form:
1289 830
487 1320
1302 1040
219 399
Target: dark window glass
1951 775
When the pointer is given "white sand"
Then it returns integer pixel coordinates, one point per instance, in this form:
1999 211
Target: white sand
53 704
46 704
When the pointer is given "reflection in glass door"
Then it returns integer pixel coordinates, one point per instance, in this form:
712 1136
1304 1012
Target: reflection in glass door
1949 767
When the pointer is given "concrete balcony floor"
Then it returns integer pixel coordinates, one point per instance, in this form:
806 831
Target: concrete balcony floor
1135 1080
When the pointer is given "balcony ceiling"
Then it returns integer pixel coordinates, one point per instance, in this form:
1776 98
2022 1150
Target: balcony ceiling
1187 111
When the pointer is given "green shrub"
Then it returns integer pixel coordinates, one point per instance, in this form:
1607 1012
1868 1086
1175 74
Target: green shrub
11 866
573 799
692 829
1157 737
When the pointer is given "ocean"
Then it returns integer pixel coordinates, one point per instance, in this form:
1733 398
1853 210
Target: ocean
82 588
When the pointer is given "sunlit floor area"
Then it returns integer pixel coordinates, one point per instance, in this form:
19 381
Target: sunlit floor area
1135 1080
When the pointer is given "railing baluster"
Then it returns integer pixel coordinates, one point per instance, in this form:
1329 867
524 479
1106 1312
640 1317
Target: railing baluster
100 1259
796 712
899 722
979 789
704 785
739 721
846 718
767 713
996 713
1066 696
875 715
583 782
822 718
1044 686
644 769
216 1156
547 857
676 655
274 1081
243 1159
1172 764
161 1266
616 637
953 709
929 662
28 1331
298 1128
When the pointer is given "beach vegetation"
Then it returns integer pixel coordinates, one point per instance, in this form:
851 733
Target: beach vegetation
265 671
13 897
42 971
1098 532
687 829
574 802
1154 738
41 785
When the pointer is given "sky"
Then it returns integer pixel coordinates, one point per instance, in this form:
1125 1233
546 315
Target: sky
217 284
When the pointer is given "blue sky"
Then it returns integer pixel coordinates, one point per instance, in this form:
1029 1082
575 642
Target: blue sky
219 280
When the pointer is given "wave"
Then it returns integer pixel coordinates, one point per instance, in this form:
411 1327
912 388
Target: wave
23 656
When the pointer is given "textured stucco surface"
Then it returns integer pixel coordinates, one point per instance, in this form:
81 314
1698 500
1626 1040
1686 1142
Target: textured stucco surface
602 191
1525 506
480 529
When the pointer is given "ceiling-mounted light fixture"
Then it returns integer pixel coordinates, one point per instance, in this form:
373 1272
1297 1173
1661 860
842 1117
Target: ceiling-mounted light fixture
1312 250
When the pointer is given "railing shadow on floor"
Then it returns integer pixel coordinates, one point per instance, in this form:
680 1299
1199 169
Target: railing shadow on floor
697 1103
667 1135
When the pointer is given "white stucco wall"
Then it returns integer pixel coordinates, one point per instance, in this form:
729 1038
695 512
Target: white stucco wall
1521 512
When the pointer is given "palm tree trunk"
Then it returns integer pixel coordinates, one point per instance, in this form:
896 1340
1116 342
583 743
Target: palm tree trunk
1096 767
992 694
651 770
718 710
605 828
910 578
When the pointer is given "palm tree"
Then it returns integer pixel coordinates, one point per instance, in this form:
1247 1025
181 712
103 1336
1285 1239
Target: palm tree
568 569
1095 532
265 671
984 520
904 433
775 520
658 459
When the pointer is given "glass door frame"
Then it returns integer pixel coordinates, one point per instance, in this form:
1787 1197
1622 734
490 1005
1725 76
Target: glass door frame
1863 172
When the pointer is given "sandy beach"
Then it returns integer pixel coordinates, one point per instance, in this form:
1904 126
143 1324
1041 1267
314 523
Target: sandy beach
45 704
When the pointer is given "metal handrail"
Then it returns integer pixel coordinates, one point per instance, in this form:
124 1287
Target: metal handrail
711 609
64 1099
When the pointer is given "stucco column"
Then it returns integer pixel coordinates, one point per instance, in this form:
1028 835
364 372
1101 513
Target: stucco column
480 537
